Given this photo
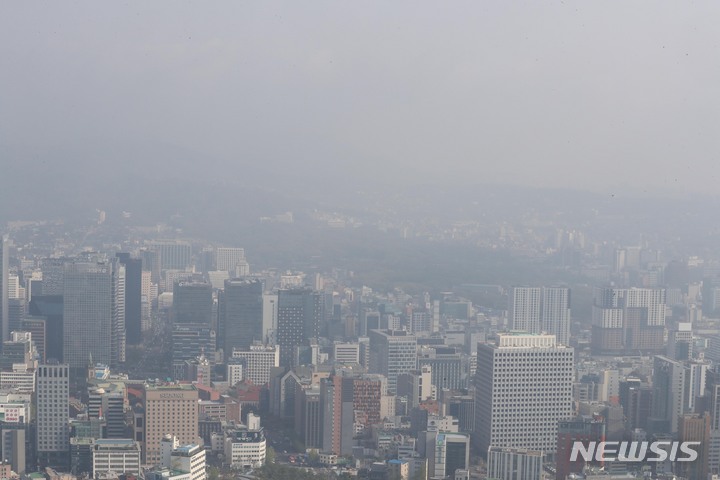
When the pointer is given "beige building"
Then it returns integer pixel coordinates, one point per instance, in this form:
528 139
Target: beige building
169 410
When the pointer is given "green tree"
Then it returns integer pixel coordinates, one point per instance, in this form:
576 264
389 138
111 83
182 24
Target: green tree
214 473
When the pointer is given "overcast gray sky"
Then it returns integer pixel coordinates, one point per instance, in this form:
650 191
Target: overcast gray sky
593 94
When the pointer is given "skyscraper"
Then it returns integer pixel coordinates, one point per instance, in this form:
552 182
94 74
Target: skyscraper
169 410
192 303
298 319
392 352
93 311
133 298
240 314
524 387
172 254
670 380
628 320
230 259
556 313
4 288
53 413
524 309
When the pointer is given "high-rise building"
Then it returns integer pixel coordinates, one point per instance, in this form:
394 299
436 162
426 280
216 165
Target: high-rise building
169 410
695 428
5 321
172 254
628 320
133 298
53 273
53 414
556 313
392 352
300 313
110 406
447 367
524 387
524 309
119 336
514 464
192 303
669 399
308 418
51 308
259 361
240 312
90 315
230 259
190 341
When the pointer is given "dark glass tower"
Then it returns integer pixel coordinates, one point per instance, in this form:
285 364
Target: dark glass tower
192 303
240 315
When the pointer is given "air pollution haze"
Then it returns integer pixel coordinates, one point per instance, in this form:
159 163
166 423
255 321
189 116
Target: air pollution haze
619 98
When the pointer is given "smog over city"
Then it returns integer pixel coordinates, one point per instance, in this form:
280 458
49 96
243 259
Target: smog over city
376 240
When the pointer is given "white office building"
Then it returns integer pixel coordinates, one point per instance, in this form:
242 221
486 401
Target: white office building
524 309
259 360
514 464
524 387
347 353
119 455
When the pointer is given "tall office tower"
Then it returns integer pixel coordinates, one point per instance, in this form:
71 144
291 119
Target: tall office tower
17 309
628 320
669 384
583 429
308 419
366 392
169 410
117 348
524 386
515 464
270 302
192 303
52 435
524 309
392 352
336 408
172 254
556 313
133 298
53 272
240 314
299 319
695 428
4 320
447 366
88 313
229 260
50 307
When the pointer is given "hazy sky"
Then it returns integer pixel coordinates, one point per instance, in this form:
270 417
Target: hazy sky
594 94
